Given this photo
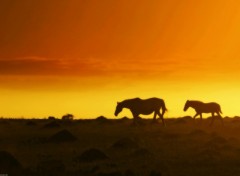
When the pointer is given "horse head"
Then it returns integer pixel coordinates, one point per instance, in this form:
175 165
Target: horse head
118 109
186 105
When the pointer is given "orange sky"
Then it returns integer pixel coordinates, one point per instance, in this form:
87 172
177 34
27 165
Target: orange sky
81 56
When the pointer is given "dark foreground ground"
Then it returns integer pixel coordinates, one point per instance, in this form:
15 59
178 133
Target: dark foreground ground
105 147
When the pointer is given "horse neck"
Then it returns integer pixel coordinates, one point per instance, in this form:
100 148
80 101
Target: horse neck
195 104
127 104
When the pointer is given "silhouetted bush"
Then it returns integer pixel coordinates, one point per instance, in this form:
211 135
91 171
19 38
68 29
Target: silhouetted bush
51 118
68 117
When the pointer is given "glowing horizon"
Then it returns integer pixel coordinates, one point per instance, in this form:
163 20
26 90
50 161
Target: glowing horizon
81 57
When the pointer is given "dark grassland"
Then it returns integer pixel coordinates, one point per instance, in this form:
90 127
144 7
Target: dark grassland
103 147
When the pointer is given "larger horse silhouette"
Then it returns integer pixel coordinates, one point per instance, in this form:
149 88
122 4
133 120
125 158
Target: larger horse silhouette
201 107
138 106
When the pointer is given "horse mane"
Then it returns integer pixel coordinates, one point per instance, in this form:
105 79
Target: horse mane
132 99
195 101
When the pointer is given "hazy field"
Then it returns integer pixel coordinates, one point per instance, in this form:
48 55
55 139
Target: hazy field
116 147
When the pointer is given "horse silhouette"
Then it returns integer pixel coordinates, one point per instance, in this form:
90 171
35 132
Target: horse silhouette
138 106
201 107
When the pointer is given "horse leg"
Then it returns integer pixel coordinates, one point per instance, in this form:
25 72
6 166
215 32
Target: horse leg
213 118
135 118
219 115
194 117
161 116
201 118
154 116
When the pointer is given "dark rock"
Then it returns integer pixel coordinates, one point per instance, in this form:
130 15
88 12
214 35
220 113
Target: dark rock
155 173
116 173
62 136
102 119
9 164
197 133
91 155
129 173
125 143
180 121
141 153
51 167
218 140
170 136
124 119
187 118
208 154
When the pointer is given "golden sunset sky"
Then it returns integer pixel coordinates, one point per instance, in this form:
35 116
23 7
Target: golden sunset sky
82 56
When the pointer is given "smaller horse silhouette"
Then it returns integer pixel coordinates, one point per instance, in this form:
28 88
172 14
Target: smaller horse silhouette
201 107
138 106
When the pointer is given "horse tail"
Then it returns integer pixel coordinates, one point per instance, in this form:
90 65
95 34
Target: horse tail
220 109
164 107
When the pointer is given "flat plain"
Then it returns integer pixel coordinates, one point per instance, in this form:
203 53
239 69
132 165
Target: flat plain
105 147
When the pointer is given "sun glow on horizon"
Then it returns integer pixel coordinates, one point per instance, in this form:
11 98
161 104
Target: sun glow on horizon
91 103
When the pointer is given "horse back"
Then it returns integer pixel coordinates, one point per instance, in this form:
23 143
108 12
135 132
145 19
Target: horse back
151 103
215 106
210 107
